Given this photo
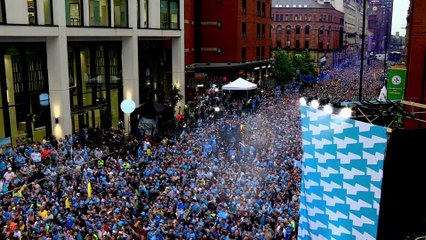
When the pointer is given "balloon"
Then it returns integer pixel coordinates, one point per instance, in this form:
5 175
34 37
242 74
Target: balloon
128 106
44 99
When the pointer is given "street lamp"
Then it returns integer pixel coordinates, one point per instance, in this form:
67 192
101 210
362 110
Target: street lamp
362 50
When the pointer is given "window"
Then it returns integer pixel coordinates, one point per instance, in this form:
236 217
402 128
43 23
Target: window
287 44
296 18
288 29
244 7
279 43
263 9
219 24
2 12
145 14
243 30
307 30
120 13
320 18
277 17
307 44
258 9
48 12
258 31
32 12
286 17
169 14
297 44
330 19
73 12
306 17
281 17
290 18
321 30
279 29
309 17
219 51
243 54
99 11
321 45
257 53
297 29
262 53
263 30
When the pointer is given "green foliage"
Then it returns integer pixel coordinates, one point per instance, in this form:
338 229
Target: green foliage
286 64
283 69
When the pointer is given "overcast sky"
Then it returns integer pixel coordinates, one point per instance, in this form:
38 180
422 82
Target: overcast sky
399 18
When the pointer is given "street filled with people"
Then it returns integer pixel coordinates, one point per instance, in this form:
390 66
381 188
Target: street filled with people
233 175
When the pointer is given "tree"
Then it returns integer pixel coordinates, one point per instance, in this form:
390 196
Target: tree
307 63
283 69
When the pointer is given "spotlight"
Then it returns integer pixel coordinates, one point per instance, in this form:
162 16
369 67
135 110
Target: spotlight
302 101
216 109
346 112
315 104
328 109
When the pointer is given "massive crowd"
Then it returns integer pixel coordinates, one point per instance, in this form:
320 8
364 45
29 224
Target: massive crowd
234 177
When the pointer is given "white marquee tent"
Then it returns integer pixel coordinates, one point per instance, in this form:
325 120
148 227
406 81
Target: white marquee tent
239 84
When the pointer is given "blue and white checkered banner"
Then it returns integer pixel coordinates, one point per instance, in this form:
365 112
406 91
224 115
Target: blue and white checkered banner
342 177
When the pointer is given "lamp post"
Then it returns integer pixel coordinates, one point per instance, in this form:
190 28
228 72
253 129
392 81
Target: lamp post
361 71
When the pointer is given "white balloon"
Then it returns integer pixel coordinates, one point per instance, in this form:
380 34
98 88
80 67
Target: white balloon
128 106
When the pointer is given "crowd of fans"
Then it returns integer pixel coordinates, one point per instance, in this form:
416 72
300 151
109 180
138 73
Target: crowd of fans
233 177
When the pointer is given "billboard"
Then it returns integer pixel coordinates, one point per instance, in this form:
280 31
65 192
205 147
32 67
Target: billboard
396 83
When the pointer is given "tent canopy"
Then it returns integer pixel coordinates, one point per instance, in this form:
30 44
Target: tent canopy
239 84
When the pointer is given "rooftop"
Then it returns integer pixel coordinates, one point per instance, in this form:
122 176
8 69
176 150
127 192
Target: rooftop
299 4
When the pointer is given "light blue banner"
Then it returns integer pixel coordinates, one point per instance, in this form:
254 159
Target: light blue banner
342 177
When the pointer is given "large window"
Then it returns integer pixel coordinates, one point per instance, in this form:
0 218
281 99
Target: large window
244 3
47 8
143 19
263 30
258 31
258 8
99 12
73 13
169 14
120 13
32 12
297 29
307 30
2 12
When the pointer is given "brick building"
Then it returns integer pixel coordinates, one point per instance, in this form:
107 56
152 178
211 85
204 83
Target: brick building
226 38
416 60
306 24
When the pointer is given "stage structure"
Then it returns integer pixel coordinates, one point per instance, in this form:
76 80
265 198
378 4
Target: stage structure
344 166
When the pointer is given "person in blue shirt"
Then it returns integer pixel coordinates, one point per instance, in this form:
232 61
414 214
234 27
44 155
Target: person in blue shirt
3 167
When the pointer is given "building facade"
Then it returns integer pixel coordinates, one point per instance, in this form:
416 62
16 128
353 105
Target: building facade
415 90
299 25
227 38
380 23
69 64
353 11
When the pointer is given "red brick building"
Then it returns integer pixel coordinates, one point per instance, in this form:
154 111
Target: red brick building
306 24
416 60
225 38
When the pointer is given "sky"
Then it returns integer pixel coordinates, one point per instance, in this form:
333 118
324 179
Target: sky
399 16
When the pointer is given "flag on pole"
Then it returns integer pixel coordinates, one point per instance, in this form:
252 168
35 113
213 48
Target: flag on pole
89 190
